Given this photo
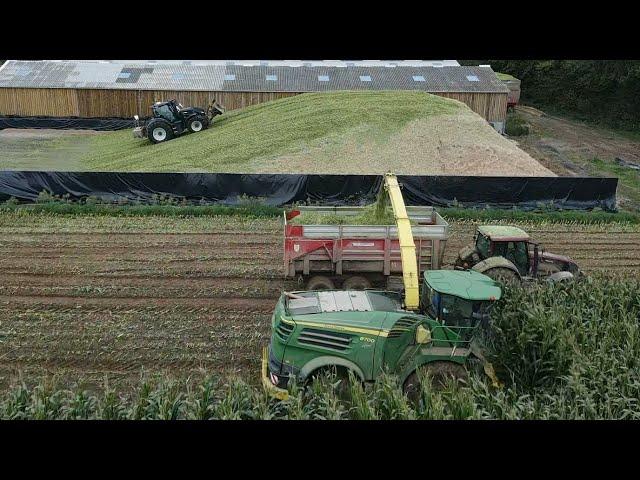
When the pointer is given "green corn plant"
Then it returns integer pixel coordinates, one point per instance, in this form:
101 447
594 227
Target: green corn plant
81 406
16 404
200 406
389 400
361 403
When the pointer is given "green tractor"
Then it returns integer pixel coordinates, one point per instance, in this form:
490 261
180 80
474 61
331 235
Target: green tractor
368 332
507 254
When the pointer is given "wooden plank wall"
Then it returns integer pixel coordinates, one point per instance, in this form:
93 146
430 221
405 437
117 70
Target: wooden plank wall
490 106
30 102
64 102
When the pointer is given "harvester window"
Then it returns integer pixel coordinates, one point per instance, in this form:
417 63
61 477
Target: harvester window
482 244
456 311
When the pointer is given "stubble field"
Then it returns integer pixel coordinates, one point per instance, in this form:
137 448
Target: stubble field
86 298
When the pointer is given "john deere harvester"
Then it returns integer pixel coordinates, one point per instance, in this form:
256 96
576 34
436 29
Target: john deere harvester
370 331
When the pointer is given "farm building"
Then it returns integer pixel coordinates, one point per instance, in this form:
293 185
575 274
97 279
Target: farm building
102 89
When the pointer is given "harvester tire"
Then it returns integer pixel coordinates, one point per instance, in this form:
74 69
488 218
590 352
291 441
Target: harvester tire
440 372
320 282
503 275
356 283
197 123
159 131
338 376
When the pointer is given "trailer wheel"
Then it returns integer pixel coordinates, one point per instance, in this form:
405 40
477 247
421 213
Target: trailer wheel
320 282
356 283
440 372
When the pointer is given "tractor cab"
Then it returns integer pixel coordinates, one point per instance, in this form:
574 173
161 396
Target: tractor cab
167 110
509 242
459 298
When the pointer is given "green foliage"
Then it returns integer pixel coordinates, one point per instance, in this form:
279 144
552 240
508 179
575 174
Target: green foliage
540 215
161 205
605 92
516 126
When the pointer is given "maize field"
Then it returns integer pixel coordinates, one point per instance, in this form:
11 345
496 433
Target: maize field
89 297
573 353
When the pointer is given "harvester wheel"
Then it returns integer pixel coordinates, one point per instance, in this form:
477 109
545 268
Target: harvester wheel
197 123
339 376
159 131
320 282
440 372
356 283
503 275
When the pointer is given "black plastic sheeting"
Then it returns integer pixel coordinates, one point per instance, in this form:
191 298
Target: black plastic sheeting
282 189
67 123
570 193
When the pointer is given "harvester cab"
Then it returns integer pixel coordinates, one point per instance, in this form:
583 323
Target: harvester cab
171 119
459 298
507 254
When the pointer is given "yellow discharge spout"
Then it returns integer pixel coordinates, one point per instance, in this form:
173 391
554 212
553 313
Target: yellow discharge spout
407 245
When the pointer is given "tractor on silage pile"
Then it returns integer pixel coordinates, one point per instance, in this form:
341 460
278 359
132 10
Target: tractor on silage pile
170 119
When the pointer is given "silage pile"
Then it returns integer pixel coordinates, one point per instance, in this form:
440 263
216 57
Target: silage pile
406 132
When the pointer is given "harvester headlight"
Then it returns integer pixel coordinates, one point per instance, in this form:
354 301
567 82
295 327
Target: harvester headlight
274 378
423 335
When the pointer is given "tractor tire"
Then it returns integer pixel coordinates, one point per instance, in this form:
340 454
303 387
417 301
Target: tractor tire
503 275
440 372
159 131
197 123
356 283
320 282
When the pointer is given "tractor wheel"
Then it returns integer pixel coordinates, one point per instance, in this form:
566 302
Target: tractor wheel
503 275
159 131
356 283
320 283
440 372
560 277
197 123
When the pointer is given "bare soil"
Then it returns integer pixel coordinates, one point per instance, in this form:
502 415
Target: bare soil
87 300
44 149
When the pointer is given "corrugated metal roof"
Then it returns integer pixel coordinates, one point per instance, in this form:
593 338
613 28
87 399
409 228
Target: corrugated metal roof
305 79
270 76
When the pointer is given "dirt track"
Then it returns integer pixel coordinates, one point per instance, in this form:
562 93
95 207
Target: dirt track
86 305
569 148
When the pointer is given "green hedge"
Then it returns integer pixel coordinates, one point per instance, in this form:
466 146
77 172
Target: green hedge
605 92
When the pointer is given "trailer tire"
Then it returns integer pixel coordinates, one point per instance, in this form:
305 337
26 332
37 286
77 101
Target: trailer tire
356 283
320 282
440 372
